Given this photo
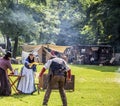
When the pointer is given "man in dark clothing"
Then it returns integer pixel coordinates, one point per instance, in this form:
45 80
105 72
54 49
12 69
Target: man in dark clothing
57 68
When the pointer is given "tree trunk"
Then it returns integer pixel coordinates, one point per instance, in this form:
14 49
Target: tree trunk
8 43
15 47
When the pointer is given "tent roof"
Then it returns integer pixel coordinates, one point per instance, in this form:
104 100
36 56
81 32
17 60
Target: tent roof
56 48
29 48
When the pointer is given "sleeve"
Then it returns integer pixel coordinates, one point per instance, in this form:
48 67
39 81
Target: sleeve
68 70
47 65
66 66
34 68
26 63
9 65
42 72
69 74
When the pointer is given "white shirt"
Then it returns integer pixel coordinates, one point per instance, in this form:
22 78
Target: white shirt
58 60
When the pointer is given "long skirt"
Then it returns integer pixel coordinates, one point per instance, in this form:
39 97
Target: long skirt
26 84
5 88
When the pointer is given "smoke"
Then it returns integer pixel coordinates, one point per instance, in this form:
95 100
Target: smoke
71 16
23 20
19 19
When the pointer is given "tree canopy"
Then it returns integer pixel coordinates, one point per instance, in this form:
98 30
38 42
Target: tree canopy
63 22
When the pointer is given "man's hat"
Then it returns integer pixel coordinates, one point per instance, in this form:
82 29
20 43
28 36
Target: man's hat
8 54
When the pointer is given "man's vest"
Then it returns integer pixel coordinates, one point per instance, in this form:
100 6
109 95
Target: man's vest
57 68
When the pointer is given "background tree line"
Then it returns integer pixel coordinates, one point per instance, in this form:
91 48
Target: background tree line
63 22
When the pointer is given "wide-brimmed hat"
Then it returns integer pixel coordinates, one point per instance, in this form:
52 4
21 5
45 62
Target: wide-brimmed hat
8 54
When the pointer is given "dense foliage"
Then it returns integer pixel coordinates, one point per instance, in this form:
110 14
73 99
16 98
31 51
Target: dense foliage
63 22
103 22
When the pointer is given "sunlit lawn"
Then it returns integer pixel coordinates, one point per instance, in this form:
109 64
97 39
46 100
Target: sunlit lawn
94 86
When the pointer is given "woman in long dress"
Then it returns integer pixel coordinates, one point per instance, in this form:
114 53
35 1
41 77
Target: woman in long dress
5 63
26 84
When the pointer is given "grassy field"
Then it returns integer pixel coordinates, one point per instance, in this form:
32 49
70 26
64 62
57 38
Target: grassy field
94 86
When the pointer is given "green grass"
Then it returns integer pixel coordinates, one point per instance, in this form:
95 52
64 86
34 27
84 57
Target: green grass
94 86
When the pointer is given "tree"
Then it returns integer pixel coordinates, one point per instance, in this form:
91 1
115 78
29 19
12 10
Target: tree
17 22
71 18
103 19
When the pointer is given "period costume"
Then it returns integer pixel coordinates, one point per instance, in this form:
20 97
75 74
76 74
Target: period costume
26 84
5 63
57 68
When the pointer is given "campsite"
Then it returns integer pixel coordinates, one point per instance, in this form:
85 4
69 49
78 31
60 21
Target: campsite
59 52
94 86
43 51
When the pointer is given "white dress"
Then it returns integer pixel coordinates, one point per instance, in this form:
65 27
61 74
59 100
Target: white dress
26 83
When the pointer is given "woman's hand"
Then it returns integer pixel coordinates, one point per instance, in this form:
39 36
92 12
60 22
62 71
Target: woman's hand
12 72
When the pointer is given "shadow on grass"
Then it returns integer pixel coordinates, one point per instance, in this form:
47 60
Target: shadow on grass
20 97
99 68
16 96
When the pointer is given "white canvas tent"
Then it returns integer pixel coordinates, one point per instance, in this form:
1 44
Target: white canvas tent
41 51
24 56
